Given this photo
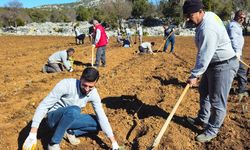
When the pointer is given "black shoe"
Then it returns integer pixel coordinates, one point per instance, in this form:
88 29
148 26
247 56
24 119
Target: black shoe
196 122
103 65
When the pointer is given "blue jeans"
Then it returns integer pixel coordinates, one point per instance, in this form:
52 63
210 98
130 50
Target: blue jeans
242 79
71 120
100 55
172 40
214 90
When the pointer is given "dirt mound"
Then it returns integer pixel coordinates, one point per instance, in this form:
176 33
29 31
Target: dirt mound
138 93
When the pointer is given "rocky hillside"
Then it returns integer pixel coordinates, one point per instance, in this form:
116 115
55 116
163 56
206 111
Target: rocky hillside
85 3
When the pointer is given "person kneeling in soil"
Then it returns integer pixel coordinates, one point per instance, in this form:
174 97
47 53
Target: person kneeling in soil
62 111
146 47
58 61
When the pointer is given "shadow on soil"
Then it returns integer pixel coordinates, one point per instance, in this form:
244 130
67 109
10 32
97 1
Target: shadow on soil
133 106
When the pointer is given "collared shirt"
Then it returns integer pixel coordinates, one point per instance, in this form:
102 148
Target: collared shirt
235 33
68 93
60 57
213 43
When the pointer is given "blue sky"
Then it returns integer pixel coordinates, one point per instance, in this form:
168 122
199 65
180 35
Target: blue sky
34 3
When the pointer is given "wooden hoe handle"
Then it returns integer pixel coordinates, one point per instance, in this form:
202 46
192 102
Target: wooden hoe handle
163 129
244 63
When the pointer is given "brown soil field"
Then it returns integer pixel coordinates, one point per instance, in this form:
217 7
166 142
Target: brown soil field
138 93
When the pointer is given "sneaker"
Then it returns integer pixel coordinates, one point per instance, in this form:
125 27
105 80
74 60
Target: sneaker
205 138
103 65
196 122
44 69
54 147
242 95
72 139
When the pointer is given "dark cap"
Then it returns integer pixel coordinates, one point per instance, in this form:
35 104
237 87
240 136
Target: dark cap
192 6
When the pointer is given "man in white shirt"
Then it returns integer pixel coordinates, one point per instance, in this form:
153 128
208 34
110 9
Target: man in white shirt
79 37
62 109
146 47
58 61
234 30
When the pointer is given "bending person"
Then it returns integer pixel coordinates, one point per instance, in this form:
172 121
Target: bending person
62 111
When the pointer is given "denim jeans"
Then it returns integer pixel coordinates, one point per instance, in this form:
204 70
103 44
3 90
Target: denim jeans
242 79
100 55
214 90
172 40
54 67
71 120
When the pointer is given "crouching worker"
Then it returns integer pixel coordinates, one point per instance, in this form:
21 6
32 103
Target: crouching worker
58 61
79 37
62 109
146 47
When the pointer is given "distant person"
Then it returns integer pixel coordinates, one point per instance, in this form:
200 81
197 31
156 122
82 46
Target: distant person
126 43
100 42
91 32
119 36
58 61
234 30
169 37
128 34
146 47
140 33
216 65
62 110
79 37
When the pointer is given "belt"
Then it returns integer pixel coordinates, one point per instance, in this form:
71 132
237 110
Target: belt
221 62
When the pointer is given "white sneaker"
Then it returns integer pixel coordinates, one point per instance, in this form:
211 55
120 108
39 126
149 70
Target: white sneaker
54 147
72 138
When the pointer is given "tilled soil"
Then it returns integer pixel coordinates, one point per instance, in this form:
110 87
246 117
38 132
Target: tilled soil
138 93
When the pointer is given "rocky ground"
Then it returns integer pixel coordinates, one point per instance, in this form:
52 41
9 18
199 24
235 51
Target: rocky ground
138 93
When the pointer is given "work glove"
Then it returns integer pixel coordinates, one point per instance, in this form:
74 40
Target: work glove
115 146
30 142
71 69
238 55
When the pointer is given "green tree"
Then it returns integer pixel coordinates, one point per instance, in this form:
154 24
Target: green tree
83 13
140 7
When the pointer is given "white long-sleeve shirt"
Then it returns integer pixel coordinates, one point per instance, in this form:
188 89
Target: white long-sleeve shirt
213 43
67 93
148 46
60 57
235 33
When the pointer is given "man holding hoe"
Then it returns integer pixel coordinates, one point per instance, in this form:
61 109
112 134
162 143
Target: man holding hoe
216 63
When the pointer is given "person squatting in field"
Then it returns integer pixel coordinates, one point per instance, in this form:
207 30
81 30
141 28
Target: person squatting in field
100 41
62 111
58 61
216 63
235 33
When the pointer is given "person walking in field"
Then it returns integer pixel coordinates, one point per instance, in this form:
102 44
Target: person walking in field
62 111
146 47
128 34
235 33
100 42
140 33
58 61
216 65
169 37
